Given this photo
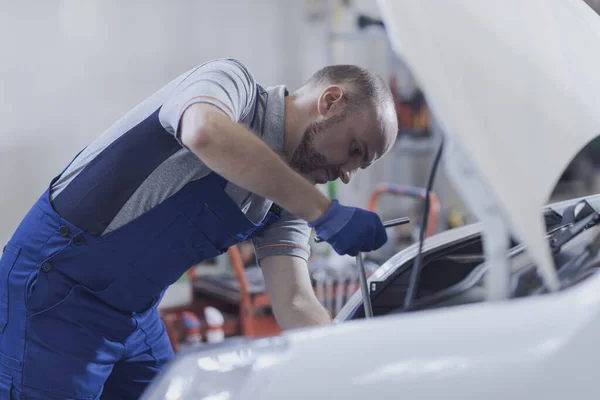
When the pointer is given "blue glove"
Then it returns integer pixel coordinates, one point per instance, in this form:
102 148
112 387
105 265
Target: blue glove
350 230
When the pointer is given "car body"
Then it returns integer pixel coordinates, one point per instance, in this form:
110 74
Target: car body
541 347
495 316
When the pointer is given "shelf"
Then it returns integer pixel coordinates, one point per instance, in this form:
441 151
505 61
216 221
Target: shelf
425 146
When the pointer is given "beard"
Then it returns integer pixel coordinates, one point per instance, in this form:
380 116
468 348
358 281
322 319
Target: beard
306 158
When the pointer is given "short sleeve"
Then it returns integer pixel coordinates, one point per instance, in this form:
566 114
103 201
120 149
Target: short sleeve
224 83
289 236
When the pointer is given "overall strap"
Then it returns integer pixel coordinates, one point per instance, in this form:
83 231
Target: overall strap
57 177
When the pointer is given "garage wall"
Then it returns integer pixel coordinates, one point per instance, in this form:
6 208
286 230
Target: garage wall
69 68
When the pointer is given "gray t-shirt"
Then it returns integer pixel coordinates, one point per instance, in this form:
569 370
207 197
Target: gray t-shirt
161 170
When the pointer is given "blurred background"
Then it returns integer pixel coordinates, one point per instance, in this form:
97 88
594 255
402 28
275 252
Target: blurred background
70 68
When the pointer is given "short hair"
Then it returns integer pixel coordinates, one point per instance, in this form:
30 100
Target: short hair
362 87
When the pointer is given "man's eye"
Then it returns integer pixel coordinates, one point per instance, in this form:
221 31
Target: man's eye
355 150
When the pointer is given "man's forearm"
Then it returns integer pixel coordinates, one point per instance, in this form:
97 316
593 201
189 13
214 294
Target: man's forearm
302 313
292 296
234 152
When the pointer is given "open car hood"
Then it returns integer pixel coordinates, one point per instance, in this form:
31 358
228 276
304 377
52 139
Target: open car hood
515 84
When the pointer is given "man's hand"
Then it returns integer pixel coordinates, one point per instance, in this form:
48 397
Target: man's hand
294 302
350 230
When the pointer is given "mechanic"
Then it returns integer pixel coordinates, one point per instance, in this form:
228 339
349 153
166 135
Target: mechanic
208 161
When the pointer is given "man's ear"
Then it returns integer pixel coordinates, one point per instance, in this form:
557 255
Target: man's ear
331 101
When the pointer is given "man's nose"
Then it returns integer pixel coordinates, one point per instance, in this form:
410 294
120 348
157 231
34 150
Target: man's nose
346 175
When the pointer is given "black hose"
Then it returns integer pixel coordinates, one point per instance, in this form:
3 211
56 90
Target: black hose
415 272
364 21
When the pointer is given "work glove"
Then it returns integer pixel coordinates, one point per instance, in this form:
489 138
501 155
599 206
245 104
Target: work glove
350 230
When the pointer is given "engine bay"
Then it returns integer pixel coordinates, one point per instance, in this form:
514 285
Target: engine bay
454 274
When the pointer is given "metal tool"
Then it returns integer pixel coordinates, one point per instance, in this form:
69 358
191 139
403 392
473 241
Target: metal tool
386 224
364 288
362 275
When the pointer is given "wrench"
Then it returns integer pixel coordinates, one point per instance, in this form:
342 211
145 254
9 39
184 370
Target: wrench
386 224
362 275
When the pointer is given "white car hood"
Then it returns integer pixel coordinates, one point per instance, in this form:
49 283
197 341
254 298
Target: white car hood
515 83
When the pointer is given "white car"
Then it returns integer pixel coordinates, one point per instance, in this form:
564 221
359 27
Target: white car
508 308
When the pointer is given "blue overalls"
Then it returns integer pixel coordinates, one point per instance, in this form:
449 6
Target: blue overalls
78 312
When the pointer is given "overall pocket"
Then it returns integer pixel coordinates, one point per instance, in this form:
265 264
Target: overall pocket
5 386
174 250
227 227
73 344
10 254
48 287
